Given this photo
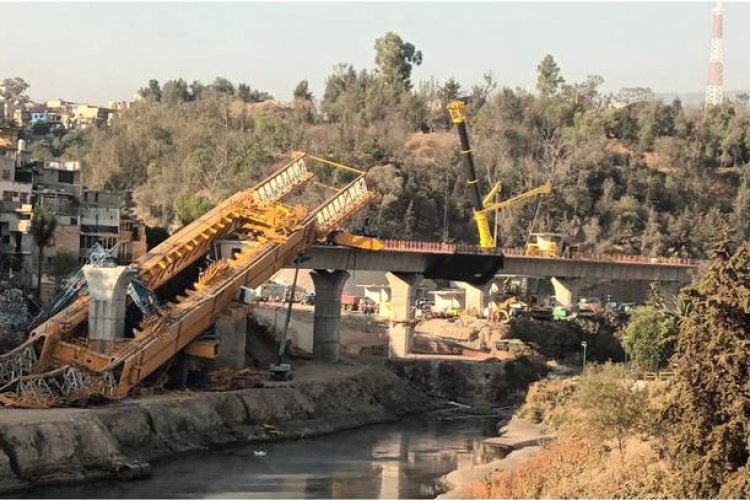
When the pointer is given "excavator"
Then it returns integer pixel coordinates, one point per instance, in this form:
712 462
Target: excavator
482 206
58 364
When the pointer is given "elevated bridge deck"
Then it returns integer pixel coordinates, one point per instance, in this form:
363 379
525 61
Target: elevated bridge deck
458 261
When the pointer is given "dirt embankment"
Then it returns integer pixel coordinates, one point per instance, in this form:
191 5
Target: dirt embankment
485 384
70 444
522 440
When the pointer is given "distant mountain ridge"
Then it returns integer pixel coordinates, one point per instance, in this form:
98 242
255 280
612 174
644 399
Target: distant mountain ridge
694 98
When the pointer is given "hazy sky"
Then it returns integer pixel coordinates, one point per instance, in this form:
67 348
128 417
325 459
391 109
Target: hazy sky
106 51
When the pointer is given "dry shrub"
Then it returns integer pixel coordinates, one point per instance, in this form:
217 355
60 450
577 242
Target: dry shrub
576 466
477 489
600 451
546 401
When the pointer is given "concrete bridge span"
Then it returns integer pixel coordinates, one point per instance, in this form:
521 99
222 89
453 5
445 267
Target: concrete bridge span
406 263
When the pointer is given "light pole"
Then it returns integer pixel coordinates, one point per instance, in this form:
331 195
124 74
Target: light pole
584 344
281 370
288 318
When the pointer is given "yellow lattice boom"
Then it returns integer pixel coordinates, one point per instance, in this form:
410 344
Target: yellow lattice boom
50 368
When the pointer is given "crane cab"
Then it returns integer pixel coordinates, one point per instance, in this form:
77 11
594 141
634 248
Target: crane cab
550 245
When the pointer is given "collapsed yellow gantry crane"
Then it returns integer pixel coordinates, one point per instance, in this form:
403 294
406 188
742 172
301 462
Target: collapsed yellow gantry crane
55 366
483 206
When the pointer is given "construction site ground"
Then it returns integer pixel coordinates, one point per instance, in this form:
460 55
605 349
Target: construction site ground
359 334
363 335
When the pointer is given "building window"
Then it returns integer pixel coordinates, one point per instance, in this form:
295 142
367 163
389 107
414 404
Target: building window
73 221
7 196
6 175
66 177
24 197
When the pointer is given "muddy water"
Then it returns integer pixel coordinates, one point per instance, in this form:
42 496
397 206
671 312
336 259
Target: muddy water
400 460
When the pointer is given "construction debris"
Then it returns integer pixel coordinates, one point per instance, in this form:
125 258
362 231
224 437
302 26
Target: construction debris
14 312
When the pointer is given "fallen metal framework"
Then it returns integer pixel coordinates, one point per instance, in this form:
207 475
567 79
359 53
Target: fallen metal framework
51 368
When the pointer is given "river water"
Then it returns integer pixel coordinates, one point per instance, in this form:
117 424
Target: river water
399 460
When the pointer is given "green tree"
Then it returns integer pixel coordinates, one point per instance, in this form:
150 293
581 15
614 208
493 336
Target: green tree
13 90
302 92
175 91
740 217
62 263
449 91
43 225
152 92
611 406
548 78
223 86
649 338
395 59
707 414
244 92
188 207
196 90
632 95
410 222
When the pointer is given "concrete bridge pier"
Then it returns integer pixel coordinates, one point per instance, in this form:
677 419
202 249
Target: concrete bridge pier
476 296
327 314
566 291
108 289
401 332
231 327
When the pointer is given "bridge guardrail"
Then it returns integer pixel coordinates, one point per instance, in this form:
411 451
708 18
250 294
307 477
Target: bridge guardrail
448 248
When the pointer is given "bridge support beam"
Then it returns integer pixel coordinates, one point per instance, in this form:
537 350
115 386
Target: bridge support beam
566 291
327 314
108 288
476 297
401 332
231 328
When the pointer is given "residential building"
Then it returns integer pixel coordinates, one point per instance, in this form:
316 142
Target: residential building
119 105
84 217
46 118
85 115
61 106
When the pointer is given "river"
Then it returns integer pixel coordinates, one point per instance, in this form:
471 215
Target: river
399 460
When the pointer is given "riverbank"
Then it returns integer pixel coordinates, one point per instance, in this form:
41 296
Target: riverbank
520 439
66 445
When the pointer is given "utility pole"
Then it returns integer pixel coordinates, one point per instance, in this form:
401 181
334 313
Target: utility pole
445 209
715 86
584 344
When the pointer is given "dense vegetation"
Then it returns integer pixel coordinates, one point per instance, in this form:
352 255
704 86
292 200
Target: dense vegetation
630 173
707 417
682 438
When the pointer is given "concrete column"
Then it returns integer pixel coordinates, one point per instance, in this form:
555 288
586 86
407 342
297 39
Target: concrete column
327 314
403 290
567 291
231 328
108 289
476 297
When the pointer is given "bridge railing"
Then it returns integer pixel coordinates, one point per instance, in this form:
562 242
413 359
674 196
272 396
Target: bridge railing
448 248
437 247
619 258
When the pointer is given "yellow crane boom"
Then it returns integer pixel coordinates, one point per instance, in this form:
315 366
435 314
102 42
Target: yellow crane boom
484 205
545 188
